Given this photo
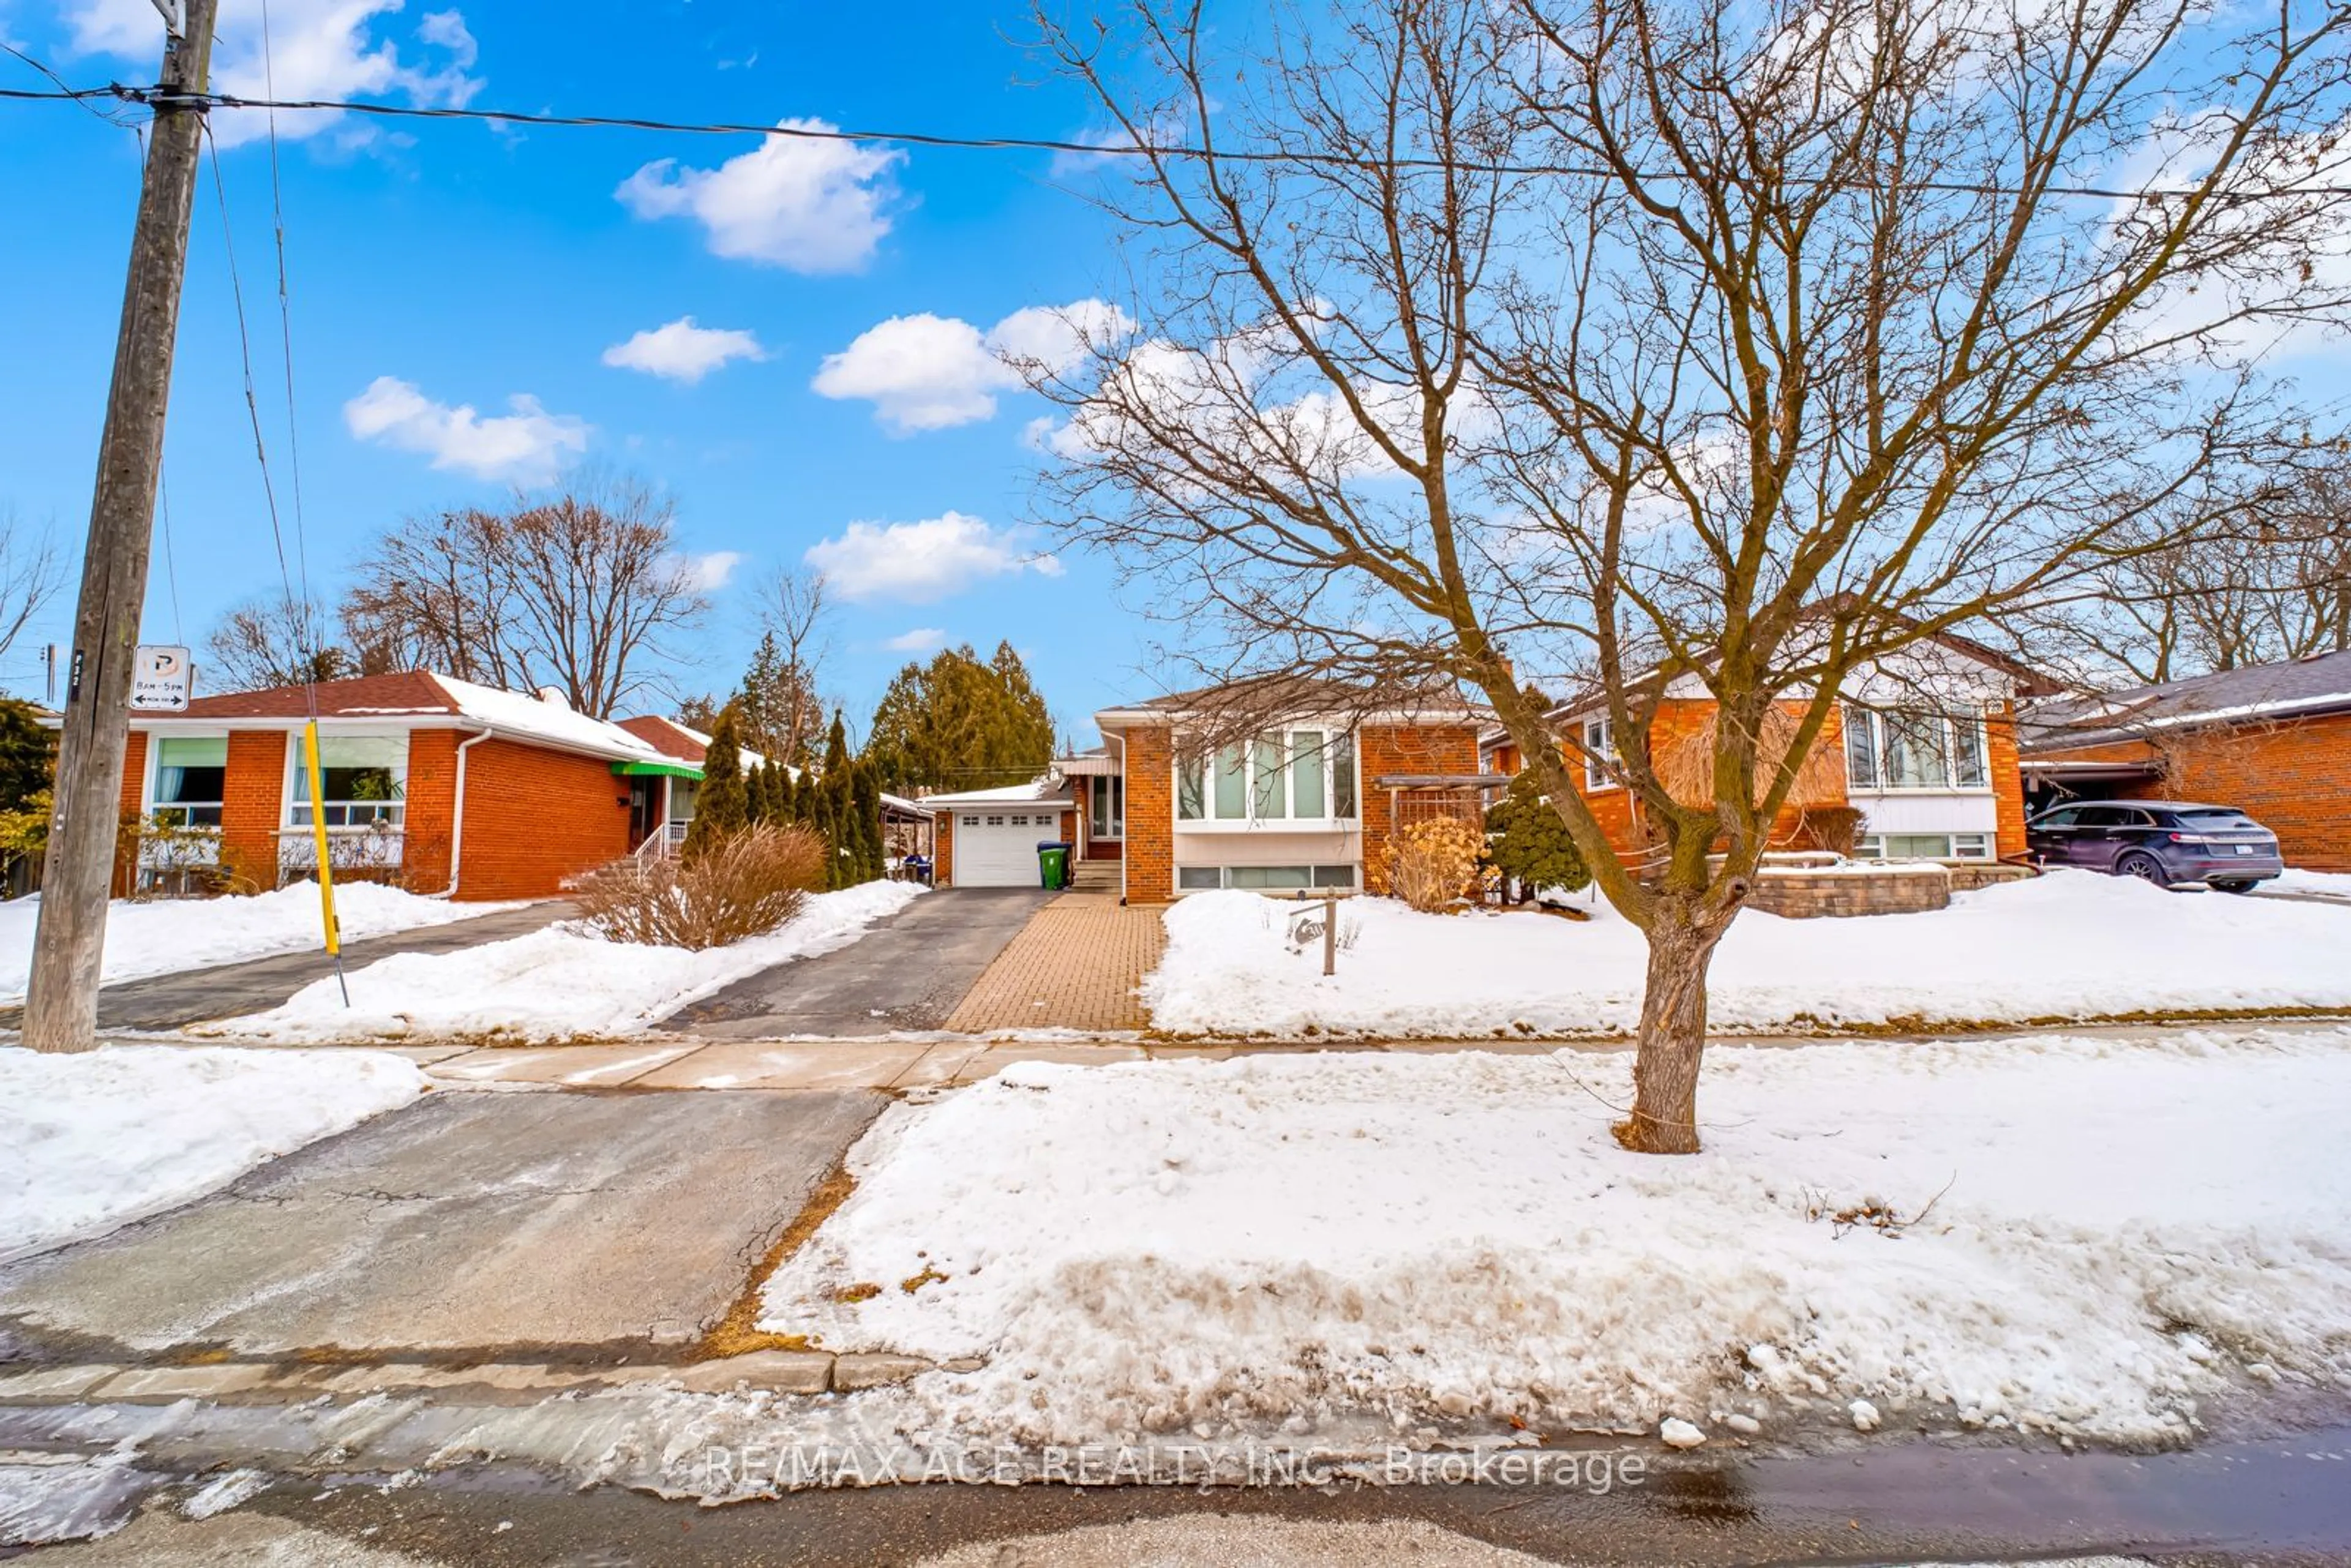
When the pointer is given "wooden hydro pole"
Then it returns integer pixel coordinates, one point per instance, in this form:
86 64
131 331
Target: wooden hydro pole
68 943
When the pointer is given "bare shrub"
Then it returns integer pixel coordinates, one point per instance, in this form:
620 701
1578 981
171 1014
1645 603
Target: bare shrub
743 885
1434 863
1834 828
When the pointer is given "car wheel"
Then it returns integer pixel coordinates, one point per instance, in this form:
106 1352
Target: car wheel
2230 886
2144 867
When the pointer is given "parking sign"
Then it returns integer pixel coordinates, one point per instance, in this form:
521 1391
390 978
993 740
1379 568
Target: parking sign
162 680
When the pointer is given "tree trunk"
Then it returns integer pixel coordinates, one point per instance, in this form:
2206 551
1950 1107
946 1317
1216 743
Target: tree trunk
1673 1032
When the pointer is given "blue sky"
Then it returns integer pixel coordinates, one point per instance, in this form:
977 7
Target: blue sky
440 267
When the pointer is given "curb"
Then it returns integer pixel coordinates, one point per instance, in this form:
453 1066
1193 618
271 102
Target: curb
763 1371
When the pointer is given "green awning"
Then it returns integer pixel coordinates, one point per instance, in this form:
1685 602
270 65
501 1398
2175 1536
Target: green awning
657 769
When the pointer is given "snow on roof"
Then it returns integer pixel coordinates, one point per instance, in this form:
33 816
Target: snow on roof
2261 692
557 722
1044 789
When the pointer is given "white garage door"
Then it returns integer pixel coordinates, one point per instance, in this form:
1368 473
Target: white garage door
998 849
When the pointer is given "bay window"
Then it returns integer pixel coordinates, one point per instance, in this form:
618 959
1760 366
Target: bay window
1301 775
1913 749
363 782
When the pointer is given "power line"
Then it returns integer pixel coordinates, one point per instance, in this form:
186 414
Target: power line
154 97
70 93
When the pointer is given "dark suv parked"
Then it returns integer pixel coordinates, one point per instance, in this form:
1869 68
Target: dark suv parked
2161 842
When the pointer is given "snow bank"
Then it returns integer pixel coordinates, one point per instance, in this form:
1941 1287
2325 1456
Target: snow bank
1212 1248
557 983
163 936
2068 945
98 1139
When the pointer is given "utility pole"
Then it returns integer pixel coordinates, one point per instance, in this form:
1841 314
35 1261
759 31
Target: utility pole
70 942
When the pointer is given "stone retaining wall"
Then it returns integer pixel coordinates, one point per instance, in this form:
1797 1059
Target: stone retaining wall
1850 890
1904 888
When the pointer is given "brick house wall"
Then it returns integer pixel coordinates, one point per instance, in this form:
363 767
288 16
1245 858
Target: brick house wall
134 772
534 817
2007 781
943 849
134 785
431 808
253 806
2293 776
1385 748
1677 719
1150 752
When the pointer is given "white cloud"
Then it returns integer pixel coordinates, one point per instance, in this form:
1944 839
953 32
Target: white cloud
810 206
711 572
919 563
528 446
929 372
317 49
921 640
1111 144
681 351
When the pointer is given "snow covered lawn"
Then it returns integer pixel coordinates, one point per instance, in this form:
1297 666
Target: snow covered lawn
561 983
2071 945
2107 1234
163 936
98 1139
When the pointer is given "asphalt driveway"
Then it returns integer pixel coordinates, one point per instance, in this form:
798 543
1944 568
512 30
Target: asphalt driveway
256 984
468 1222
908 972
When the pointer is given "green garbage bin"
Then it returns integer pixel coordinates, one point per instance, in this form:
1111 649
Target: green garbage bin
1054 864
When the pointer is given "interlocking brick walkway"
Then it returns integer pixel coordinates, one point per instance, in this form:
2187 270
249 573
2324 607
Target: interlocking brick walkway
1075 965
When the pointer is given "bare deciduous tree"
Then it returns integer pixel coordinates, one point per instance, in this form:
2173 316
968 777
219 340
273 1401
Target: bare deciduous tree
273 640
579 591
1712 345
30 576
2264 579
782 702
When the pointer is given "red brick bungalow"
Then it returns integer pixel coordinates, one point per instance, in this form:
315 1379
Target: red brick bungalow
2274 740
458 789
1309 798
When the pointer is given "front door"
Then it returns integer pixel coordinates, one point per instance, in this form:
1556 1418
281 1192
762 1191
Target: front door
645 808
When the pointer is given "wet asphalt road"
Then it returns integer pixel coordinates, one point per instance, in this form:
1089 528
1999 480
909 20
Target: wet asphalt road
2281 1501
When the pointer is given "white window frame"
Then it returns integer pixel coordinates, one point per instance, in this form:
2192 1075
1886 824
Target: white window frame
1875 722
1872 846
1222 876
1599 751
1337 747
153 763
292 808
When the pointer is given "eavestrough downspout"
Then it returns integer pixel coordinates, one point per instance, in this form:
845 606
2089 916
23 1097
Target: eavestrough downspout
458 816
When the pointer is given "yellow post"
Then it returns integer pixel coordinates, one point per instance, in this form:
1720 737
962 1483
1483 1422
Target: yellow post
318 838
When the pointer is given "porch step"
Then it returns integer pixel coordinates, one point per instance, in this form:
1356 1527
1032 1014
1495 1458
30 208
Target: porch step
1094 876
